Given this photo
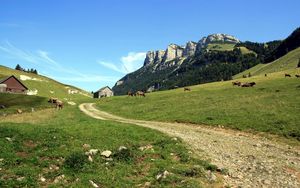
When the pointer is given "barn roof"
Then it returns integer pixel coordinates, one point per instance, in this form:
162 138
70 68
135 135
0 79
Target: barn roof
6 78
103 88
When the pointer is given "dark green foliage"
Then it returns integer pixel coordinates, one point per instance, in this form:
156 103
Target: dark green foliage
202 68
76 161
289 44
124 155
34 71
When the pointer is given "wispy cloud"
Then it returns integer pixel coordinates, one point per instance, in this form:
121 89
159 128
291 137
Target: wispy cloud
43 59
129 63
133 61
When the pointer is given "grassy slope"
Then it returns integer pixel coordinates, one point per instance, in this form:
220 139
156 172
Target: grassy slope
45 86
12 102
57 141
226 47
286 62
271 106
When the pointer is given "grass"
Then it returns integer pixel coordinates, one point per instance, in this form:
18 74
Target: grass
12 102
287 62
46 87
52 148
271 106
227 47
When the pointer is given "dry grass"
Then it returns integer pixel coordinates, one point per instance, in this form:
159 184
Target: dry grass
30 117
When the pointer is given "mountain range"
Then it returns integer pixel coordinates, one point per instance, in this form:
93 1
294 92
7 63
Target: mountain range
215 57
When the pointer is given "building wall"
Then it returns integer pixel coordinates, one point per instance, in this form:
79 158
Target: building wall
106 92
14 86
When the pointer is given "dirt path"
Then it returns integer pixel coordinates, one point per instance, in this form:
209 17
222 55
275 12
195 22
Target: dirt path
252 161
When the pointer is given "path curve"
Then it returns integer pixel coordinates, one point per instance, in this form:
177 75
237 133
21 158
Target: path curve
251 160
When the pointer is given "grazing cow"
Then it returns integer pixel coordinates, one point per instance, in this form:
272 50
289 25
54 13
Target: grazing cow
186 89
265 75
297 75
251 84
287 75
236 83
59 104
52 100
140 93
129 93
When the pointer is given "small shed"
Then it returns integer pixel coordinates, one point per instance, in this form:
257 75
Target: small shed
12 85
104 92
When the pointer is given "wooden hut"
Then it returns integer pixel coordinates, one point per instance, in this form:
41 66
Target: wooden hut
104 92
12 85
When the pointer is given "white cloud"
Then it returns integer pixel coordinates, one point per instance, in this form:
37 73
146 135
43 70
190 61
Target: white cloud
129 63
133 61
42 58
112 66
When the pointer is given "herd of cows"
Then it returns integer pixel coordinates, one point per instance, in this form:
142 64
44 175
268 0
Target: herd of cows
58 104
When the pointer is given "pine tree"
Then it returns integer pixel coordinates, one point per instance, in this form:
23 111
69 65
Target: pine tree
18 67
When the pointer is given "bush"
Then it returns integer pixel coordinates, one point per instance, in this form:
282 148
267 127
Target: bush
75 161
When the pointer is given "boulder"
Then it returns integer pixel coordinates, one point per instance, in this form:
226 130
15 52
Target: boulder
106 153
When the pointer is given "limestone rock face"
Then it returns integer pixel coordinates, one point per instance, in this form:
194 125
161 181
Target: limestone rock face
190 49
149 58
159 54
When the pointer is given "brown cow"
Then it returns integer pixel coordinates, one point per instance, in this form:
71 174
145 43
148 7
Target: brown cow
129 93
140 93
251 84
287 75
297 75
236 83
186 89
59 104
52 100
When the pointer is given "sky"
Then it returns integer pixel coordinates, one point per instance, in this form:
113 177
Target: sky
94 43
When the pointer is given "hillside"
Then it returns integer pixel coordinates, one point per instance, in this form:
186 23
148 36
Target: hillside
271 106
213 58
287 62
43 86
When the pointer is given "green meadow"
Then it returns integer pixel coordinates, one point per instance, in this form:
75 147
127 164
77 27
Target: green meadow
273 105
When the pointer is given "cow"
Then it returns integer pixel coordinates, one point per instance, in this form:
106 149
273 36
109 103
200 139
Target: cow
129 93
251 84
59 104
236 83
287 75
186 89
140 93
297 75
52 100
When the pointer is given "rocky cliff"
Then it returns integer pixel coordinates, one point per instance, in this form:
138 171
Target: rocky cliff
159 65
160 58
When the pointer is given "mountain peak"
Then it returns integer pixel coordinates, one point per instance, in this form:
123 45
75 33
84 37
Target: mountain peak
219 37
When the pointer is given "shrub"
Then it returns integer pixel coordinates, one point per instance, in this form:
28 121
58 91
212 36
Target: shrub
75 161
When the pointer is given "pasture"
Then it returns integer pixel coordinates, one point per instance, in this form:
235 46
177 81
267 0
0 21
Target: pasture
47 149
272 106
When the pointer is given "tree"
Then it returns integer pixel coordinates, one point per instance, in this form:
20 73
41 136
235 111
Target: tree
18 67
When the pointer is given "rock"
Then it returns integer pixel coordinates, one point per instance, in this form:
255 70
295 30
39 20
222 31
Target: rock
19 111
149 58
257 145
106 153
92 152
211 176
93 184
42 179
2 106
1 159
143 148
147 184
53 167
189 49
122 148
59 178
9 139
267 182
173 51
20 178
174 138
162 175
90 158
86 146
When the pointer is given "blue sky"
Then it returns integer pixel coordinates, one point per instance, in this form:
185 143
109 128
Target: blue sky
94 43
